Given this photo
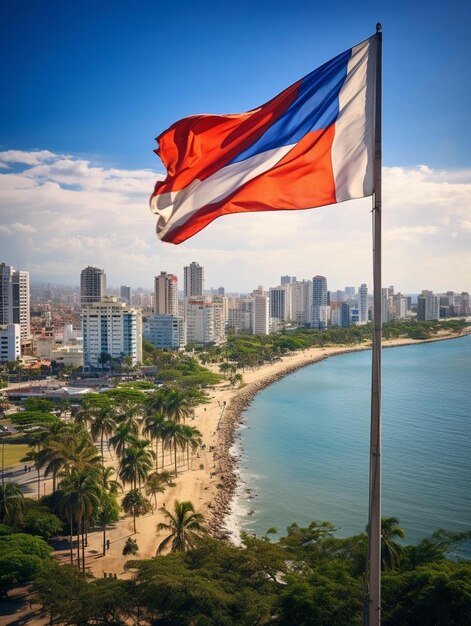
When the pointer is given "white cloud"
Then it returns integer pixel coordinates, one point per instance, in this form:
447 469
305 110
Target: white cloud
17 227
28 158
74 213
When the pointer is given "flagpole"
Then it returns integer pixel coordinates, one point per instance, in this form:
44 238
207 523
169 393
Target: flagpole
374 522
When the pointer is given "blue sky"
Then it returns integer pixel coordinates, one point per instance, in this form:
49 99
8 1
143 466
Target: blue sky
95 82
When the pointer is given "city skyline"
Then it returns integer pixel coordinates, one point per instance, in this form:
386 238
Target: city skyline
115 289
76 160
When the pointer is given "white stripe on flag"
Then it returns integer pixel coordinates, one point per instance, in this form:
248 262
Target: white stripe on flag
175 208
352 148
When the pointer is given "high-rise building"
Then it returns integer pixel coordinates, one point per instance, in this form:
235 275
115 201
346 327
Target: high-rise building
319 300
14 298
166 294
125 293
220 306
260 314
464 304
193 276
10 342
363 304
165 331
384 305
111 330
92 285
336 314
200 322
345 315
279 303
399 307
428 306
301 302
350 292
287 280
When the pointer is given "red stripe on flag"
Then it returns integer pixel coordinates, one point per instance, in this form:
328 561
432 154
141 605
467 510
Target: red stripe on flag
306 169
198 146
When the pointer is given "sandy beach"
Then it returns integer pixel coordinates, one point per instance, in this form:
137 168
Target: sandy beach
210 481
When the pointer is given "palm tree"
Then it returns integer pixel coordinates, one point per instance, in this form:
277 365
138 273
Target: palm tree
81 497
81 414
184 526
192 437
123 438
154 427
156 402
103 423
179 405
11 504
135 466
71 448
391 551
175 437
109 484
136 504
156 483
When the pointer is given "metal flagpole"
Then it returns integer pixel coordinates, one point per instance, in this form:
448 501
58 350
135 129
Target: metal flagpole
374 522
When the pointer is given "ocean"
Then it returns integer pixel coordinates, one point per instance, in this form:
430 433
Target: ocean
304 444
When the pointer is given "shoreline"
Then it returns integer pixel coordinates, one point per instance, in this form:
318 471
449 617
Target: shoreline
212 478
227 463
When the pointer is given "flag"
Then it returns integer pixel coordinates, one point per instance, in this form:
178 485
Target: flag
310 146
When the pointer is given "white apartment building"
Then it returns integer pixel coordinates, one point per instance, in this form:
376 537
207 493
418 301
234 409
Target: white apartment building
111 327
14 298
10 342
200 326
428 306
324 316
398 307
165 331
260 314
220 318
385 305
222 301
336 314
166 294
363 304
301 302
240 315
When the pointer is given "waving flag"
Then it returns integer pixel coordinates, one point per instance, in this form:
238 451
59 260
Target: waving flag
310 146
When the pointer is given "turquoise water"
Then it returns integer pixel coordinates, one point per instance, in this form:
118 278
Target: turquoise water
305 441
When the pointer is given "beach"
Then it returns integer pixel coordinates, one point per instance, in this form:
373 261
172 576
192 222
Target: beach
211 481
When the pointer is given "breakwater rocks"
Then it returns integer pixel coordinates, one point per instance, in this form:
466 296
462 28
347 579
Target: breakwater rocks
225 462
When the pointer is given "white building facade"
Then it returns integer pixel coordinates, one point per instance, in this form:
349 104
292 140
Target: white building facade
14 298
112 328
200 322
10 342
165 331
